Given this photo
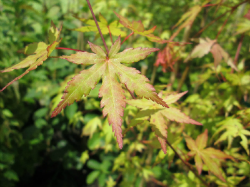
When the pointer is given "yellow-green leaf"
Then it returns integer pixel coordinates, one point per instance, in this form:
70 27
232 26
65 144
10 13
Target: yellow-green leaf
113 28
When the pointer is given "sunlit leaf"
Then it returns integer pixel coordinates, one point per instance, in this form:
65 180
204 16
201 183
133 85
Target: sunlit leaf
109 69
159 115
208 156
206 46
232 128
38 53
113 28
138 28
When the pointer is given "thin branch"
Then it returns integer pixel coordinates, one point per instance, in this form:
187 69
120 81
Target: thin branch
223 78
187 164
65 48
127 37
204 28
54 57
238 51
183 77
216 19
100 32
207 5
222 27
153 75
158 182
110 35
130 92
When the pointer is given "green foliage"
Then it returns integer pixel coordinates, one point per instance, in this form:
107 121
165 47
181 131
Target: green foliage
78 147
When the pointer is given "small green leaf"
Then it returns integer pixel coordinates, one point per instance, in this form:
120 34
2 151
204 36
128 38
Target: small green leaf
71 110
92 177
91 126
93 164
11 175
102 179
84 157
105 165
7 113
94 142
110 182
113 28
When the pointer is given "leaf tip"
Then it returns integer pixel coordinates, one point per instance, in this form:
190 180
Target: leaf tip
54 114
120 145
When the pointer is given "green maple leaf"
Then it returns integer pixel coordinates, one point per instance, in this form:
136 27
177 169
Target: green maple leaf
138 28
38 52
113 28
158 115
209 156
109 68
233 128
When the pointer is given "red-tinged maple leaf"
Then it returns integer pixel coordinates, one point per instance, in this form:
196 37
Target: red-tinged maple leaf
166 58
206 46
247 15
159 115
38 52
109 68
138 28
113 28
209 156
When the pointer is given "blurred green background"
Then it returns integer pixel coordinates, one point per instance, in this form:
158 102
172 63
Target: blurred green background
36 150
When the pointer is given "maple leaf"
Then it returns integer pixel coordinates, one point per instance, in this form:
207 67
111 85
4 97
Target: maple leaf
38 52
91 127
138 28
233 128
205 156
206 46
247 15
113 28
166 58
158 115
109 68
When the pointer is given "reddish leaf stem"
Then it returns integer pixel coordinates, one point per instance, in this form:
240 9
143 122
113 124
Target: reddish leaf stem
54 57
238 51
204 28
158 182
110 35
232 10
65 48
127 37
187 164
223 78
207 5
100 32
130 92
222 27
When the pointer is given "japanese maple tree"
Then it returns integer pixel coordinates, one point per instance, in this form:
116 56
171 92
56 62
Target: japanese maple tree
159 109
